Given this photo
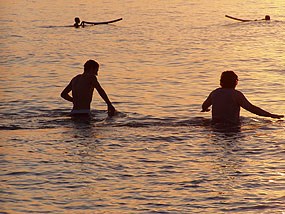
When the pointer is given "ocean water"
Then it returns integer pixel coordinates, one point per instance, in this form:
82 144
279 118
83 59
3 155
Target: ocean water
160 154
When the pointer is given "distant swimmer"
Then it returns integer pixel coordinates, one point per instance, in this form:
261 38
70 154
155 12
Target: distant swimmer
82 87
226 102
266 18
77 23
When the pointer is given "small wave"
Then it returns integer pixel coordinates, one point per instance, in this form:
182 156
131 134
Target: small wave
256 208
161 122
16 36
55 118
10 127
50 26
17 173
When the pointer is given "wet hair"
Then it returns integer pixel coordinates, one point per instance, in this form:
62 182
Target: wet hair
77 20
228 79
91 64
267 17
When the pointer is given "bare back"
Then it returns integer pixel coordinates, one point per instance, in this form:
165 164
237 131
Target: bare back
226 107
82 90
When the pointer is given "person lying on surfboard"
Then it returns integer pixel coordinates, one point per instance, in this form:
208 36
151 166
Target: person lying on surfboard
82 87
77 23
266 18
226 102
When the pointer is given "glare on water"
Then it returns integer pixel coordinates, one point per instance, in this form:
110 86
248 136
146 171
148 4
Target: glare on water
157 65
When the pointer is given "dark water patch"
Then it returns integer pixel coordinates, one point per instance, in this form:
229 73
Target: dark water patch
16 36
145 160
190 184
11 127
217 198
74 186
149 121
57 26
17 173
254 208
56 118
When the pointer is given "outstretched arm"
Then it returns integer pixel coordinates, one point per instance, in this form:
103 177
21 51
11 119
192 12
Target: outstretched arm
102 93
65 93
207 103
244 103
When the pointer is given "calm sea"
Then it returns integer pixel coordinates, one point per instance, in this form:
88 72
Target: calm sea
160 154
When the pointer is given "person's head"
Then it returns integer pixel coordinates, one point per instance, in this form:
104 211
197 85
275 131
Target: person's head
228 79
91 67
77 20
267 17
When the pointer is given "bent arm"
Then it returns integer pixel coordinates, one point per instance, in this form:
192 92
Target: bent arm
65 93
207 103
244 103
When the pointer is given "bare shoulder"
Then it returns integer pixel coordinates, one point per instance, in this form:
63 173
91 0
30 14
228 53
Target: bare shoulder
76 77
215 91
93 80
238 93
242 100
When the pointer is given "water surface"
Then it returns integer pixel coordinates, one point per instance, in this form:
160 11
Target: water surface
160 154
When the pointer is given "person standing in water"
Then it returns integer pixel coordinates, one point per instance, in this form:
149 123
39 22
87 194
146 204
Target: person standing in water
82 87
226 102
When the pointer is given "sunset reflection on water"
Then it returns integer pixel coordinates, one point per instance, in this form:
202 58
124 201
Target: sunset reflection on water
160 154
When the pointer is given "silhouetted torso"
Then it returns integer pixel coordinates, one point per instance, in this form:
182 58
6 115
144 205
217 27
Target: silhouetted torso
225 106
82 91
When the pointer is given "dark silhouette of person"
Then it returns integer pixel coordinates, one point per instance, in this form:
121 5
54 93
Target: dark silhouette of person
266 18
77 23
82 87
226 102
